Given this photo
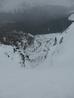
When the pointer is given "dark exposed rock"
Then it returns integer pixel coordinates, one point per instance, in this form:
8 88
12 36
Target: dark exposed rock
61 40
14 38
18 40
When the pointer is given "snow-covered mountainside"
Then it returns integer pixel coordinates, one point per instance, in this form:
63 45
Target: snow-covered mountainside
32 50
50 63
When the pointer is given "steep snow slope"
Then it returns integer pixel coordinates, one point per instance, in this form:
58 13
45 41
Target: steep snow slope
51 79
66 56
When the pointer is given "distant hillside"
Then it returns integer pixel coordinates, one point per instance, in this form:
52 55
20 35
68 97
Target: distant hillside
36 20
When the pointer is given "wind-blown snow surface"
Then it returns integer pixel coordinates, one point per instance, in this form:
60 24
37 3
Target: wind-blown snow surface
52 79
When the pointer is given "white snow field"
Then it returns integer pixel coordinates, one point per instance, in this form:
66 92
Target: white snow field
52 78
